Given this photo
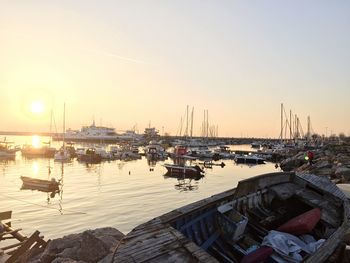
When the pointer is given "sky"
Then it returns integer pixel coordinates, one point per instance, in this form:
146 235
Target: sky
135 63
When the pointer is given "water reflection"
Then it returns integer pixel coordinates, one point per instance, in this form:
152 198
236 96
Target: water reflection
186 184
35 168
36 141
50 185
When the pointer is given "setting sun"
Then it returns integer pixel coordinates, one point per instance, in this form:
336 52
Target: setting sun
37 107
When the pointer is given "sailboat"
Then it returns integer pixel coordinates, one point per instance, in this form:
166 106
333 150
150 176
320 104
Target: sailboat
63 153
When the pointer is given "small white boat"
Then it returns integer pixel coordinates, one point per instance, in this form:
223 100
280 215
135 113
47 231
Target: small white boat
62 155
7 151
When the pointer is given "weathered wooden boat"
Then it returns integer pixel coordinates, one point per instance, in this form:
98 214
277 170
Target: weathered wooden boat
183 169
40 184
232 226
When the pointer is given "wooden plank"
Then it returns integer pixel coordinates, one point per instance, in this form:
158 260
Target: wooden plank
24 248
13 245
10 232
5 215
17 235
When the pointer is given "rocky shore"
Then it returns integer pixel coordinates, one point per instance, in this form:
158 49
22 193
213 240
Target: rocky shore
332 161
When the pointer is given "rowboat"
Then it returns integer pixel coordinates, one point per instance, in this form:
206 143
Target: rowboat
40 184
249 159
239 224
183 169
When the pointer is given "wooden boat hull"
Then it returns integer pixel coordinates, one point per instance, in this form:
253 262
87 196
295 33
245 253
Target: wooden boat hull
90 158
249 160
183 170
192 233
39 184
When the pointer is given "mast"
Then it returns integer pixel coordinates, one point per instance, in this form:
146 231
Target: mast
181 127
64 123
186 133
281 122
207 124
192 122
50 127
308 128
204 124
290 125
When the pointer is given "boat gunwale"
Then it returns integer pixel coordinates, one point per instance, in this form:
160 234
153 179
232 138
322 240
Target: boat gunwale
168 219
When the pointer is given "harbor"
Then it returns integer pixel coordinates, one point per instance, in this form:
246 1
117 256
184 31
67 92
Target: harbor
129 192
174 131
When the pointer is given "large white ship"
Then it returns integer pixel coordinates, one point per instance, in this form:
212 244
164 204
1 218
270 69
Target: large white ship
95 133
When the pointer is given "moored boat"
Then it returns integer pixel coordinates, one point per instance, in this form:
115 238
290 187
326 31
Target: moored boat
249 159
89 155
240 224
40 184
183 169
7 151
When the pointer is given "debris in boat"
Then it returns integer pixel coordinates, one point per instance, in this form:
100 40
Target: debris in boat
289 248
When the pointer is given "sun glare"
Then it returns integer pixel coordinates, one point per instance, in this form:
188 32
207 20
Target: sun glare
37 107
35 168
36 141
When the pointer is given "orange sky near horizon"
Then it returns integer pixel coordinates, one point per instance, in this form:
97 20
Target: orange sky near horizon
134 63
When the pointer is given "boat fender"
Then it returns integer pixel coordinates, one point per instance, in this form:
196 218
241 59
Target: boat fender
303 223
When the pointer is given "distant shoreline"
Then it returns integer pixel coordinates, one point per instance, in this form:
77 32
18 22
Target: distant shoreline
25 133
17 133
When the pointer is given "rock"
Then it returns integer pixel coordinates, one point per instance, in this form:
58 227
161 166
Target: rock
292 163
323 172
344 173
66 260
91 248
87 247
107 259
109 236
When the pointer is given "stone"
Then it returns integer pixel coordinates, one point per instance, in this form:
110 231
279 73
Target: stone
66 260
91 248
107 259
292 163
87 247
344 173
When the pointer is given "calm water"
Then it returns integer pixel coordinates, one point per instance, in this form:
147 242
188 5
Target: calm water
118 194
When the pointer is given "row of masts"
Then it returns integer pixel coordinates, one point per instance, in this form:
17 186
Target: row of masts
207 130
292 125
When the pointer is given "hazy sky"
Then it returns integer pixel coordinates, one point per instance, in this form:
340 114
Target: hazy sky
134 62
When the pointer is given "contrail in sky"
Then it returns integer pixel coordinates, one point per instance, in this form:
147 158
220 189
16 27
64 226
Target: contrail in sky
108 54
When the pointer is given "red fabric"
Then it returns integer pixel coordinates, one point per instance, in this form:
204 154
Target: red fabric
310 155
303 223
258 255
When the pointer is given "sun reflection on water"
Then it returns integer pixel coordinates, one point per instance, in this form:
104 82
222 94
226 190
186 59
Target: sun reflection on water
35 167
36 141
